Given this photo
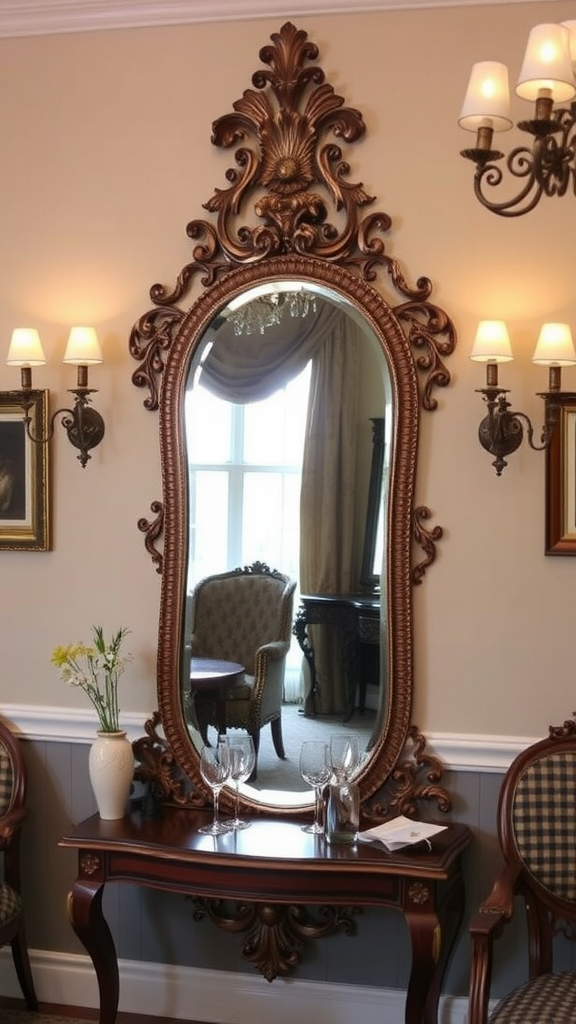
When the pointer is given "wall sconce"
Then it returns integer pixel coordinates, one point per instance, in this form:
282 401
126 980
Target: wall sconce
83 424
547 77
500 433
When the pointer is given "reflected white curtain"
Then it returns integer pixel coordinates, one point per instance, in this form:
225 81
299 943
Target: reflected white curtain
328 500
250 367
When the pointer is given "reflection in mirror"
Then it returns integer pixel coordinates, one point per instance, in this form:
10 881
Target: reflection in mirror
372 552
278 406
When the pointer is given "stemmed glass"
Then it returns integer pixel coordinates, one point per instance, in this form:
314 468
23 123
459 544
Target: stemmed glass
344 755
215 770
242 761
315 770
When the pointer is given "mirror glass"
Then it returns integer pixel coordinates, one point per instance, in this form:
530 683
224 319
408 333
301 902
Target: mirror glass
285 372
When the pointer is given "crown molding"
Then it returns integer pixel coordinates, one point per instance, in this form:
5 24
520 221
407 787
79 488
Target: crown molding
51 17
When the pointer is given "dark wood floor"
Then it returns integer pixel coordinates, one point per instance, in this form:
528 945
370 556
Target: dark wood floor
83 1013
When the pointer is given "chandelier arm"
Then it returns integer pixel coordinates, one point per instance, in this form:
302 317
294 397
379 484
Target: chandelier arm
520 164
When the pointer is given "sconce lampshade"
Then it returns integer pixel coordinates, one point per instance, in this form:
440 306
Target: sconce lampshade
487 100
25 348
547 65
555 346
571 26
83 348
492 343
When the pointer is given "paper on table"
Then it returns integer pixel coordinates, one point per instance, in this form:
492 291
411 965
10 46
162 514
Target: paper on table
400 831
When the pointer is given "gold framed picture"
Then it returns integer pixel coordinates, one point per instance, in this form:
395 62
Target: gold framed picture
24 487
561 481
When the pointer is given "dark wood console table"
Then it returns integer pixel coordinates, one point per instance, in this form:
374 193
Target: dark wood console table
357 619
270 869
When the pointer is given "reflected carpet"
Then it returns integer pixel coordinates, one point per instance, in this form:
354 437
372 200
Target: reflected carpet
274 774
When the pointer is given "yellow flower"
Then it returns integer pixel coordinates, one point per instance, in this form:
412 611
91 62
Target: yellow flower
96 670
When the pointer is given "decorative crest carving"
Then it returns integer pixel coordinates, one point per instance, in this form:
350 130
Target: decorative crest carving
288 160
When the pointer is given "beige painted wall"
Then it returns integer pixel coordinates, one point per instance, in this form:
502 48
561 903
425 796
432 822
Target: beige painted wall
106 155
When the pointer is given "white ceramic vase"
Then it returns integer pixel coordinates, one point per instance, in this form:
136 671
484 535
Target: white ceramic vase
111 768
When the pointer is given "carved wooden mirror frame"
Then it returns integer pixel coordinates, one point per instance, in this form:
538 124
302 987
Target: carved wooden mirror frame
307 222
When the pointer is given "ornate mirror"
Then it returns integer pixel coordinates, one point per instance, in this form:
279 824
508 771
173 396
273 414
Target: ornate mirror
289 268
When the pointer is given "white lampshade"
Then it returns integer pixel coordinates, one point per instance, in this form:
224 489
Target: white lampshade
571 26
547 65
83 347
554 346
492 343
25 348
487 100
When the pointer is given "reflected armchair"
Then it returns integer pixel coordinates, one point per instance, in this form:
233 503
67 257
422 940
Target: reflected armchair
12 814
537 834
245 616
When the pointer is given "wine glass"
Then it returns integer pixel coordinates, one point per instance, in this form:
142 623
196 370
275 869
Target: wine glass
215 770
316 771
242 761
344 755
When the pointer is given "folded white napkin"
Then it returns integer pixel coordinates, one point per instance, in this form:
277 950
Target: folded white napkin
399 832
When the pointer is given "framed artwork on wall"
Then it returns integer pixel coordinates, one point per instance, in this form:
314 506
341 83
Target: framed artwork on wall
24 516
561 481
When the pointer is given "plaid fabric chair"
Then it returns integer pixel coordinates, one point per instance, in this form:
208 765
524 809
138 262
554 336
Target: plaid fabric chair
245 616
537 834
12 814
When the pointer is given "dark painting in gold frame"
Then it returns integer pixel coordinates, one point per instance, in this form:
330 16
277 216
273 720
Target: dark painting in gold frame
561 481
24 490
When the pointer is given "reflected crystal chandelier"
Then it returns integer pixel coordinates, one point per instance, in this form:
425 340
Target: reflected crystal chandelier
258 315
547 77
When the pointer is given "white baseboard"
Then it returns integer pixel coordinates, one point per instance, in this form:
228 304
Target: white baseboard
216 997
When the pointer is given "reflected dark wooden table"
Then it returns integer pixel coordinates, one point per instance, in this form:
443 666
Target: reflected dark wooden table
212 678
356 617
270 869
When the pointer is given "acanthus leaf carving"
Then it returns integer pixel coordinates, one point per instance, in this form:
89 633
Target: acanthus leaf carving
303 203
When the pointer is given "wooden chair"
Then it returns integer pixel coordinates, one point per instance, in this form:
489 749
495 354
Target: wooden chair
12 814
245 616
537 835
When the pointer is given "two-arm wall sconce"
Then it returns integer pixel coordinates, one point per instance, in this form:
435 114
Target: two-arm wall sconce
547 77
500 433
83 424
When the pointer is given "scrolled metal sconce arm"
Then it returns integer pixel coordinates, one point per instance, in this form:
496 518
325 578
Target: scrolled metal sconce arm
501 432
83 424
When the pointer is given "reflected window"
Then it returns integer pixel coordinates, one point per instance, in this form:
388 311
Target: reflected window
245 468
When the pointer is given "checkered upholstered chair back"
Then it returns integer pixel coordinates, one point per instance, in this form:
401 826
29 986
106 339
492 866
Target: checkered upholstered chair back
537 835
12 814
245 616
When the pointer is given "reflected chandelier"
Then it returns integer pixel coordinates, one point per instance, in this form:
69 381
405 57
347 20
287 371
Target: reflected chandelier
547 77
256 316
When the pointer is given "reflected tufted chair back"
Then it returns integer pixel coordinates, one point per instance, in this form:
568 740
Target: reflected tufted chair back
537 835
245 616
12 814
